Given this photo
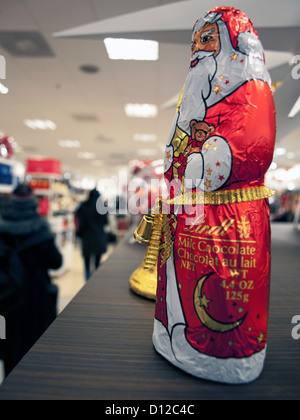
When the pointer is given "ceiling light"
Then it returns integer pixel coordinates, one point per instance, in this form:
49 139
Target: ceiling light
69 143
281 174
86 155
131 49
87 183
3 89
145 137
291 186
280 151
40 124
141 110
295 109
147 152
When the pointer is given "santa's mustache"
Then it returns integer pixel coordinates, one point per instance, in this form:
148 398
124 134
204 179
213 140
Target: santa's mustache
200 55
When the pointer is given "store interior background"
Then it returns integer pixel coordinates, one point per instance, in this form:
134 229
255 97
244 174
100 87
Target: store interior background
55 70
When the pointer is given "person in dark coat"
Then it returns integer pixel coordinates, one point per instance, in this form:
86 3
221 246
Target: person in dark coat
32 306
90 229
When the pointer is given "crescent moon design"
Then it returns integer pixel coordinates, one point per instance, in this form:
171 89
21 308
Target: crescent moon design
204 317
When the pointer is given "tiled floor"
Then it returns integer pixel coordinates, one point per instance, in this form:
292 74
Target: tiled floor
69 283
73 280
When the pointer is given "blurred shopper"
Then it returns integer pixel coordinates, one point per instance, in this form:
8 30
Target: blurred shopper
27 297
90 229
289 208
2 203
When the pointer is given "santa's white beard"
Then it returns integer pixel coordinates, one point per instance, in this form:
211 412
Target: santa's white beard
223 71
197 89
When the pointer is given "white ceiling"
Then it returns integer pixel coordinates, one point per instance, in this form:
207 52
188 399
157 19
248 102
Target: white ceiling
55 88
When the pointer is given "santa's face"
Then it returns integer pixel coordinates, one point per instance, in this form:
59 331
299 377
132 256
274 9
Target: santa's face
207 39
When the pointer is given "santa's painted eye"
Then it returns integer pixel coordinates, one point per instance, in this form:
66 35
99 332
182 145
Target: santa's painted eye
206 38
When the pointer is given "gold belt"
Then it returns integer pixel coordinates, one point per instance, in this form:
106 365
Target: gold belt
223 197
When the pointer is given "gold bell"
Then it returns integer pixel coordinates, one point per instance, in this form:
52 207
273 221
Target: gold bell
143 233
143 280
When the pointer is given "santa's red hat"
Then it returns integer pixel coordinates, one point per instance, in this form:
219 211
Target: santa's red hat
236 22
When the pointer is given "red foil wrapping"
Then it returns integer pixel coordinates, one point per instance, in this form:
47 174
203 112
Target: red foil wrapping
212 307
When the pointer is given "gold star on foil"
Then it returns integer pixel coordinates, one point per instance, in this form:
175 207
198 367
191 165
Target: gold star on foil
207 145
221 77
260 338
234 56
230 343
240 310
168 155
215 148
217 89
207 183
180 286
204 301
209 171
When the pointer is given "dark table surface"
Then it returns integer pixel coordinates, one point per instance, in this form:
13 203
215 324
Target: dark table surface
100 346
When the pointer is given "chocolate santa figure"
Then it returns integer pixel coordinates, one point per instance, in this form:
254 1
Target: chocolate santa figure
212 306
